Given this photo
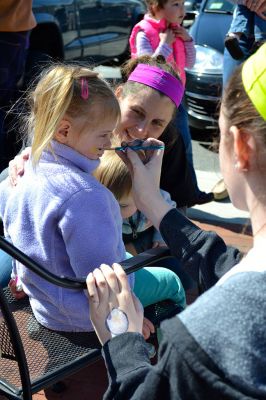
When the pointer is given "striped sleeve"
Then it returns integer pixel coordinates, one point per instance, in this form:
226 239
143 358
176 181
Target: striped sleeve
190 53
144 47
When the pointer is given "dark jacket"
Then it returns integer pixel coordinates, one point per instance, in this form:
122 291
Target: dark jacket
203 254
216 348
175 177
184 370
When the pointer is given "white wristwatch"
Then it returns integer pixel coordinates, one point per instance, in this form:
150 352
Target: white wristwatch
116 322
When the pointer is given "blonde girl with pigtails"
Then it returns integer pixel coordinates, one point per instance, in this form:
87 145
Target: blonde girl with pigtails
59 213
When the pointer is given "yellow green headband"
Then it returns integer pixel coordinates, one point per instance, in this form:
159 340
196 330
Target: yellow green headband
254 79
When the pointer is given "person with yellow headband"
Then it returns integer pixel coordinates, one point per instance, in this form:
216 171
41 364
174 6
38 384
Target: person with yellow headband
216 348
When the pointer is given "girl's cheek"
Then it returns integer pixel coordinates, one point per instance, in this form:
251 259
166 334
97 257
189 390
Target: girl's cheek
93 150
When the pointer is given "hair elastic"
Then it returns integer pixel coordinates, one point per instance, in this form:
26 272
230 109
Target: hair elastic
254 79
159 79
84 88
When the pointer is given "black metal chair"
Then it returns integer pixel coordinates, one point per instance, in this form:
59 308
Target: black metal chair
34 357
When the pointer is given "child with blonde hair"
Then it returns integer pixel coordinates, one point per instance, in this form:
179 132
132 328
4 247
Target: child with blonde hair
59 213
138 232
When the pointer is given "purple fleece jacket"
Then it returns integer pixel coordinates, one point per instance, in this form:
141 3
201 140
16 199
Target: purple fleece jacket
61 216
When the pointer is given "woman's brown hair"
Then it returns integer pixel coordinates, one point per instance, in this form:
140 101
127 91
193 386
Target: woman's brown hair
170 133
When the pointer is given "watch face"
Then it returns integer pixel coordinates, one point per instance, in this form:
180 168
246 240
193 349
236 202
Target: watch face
116 322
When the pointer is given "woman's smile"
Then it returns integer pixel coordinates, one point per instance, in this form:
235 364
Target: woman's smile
144 115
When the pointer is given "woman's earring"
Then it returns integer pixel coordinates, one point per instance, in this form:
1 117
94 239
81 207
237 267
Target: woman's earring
238 167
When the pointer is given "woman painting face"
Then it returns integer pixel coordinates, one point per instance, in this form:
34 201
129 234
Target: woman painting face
144 114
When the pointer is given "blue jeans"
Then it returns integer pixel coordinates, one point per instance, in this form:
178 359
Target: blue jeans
252 27
13 50
5 268
154 284
248 23
230 64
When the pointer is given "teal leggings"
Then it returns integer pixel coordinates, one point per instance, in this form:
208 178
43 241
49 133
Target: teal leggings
154 284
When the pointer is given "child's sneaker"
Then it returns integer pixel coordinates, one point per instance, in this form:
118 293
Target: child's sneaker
219 191
232 44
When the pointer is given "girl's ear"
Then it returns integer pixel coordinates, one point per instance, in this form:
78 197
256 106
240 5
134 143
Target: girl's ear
244 146
119 91
62 132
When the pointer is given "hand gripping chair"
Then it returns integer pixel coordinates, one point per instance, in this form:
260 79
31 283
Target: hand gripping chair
33 357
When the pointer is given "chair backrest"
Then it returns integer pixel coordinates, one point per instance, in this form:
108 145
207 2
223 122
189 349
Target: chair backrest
11 347
34 357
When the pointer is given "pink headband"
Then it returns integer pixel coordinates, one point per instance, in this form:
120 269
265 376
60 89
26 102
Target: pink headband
158 79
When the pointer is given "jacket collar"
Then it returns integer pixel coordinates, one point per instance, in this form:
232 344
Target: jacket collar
71 155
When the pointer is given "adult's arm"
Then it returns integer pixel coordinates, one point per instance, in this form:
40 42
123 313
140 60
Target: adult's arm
144 47
195 361
183 368
197 249
201 252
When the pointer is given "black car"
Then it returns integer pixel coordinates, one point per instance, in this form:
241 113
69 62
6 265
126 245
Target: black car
192 8
93 30
204 80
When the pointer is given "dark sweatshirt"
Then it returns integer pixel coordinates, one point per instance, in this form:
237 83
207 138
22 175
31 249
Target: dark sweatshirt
176 178
202 253
216 348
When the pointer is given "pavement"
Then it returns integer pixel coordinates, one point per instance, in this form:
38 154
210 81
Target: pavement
217 212
232 224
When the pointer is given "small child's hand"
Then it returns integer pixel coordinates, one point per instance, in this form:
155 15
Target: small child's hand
182 33
17 166
167 37
16 290
147 328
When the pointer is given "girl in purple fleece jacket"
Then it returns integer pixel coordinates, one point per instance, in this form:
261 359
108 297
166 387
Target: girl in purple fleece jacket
59 214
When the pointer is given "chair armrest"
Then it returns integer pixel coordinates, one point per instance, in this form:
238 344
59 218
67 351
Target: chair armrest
132 264
148 257
1 227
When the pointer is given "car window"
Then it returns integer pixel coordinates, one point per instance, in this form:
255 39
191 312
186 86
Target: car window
219 6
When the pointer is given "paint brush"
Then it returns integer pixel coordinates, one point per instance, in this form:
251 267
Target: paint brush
136 147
